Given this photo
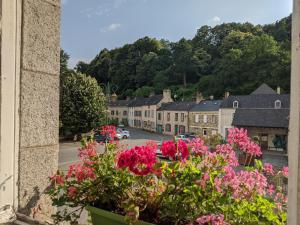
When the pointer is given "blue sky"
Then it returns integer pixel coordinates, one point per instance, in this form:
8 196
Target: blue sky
91 25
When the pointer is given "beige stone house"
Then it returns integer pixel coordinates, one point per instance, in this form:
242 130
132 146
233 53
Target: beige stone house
118 110
173 118
142 111
204 117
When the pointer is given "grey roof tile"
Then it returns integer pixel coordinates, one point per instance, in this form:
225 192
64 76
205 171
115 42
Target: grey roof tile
207 105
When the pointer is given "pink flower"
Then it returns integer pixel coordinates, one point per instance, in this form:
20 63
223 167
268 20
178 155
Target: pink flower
139 160
212 219
218 183
88 152
81 172
197 146
202 182
285 171
271 189
226 149
268 168
152 144
72 192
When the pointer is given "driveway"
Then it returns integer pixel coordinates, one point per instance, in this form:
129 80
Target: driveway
68 150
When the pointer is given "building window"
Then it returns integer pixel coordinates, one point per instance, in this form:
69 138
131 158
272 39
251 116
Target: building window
112 112
277 104
176 116
159 116
204 132
117 112
168 117
235 104
205 119
168 127
152 113
197 118
124 113
182 117
145 113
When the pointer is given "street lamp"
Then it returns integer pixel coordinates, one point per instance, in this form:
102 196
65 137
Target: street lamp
107 89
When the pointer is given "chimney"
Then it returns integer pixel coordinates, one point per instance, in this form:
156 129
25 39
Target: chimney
211 97
226 95
114 97
278 90
151 94
167 95
199 97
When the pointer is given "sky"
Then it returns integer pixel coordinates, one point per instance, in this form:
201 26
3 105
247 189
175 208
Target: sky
87 26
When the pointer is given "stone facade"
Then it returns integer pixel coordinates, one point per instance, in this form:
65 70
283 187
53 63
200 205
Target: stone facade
225 120
119 113
172 122
39 104
204 123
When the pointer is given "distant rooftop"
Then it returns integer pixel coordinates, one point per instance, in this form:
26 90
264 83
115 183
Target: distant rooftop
264 89
177 106
207 105
272 118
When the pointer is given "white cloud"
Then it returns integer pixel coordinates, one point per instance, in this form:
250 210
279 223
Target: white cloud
112 27
216 19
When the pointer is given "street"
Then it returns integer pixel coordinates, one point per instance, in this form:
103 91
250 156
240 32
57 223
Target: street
68 150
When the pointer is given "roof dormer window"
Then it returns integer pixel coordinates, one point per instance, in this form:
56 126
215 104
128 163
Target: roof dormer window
277 104
235 104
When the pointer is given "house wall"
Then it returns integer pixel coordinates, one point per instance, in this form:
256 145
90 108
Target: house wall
173 122
199 126
118 113
149 117
225 120
30 42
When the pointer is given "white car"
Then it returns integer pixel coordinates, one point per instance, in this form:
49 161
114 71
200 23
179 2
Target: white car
123 134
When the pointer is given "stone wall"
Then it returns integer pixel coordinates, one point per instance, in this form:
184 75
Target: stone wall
39 104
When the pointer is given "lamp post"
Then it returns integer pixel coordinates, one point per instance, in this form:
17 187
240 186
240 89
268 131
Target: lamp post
107 89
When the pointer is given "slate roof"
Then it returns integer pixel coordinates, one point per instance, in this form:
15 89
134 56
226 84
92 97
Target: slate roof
140 101
270 118
207 105
263 90
257 101
177 106
119 103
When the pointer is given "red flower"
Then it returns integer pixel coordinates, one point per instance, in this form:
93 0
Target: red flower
139 160
168 149
171 149
72 192
57 179
109 131
81 172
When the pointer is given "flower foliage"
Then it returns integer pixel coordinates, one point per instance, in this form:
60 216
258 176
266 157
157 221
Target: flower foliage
197 185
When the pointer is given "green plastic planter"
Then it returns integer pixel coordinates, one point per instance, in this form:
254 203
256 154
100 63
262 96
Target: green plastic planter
102 217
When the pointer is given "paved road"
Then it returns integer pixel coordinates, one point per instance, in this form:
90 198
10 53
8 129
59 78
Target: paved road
68 150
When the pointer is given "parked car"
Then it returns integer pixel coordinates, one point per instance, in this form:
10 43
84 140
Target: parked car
185 137
123 134
101 138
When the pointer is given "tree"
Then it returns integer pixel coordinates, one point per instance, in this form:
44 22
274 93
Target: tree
82 103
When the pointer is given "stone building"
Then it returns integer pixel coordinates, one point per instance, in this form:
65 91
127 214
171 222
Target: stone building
204 117
142 111
263 97
173 118
119 110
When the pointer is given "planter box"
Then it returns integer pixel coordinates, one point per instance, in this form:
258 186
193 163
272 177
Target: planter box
102 217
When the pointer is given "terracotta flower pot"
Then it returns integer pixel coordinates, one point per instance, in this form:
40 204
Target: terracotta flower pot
102 217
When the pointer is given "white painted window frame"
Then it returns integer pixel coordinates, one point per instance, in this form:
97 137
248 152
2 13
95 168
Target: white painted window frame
10 97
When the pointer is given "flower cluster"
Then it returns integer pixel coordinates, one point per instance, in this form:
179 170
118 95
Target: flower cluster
81 172
109 131
240 138
212 219
197 146
139 160
173 150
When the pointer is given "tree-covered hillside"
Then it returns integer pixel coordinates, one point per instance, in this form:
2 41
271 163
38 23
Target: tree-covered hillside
234 57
